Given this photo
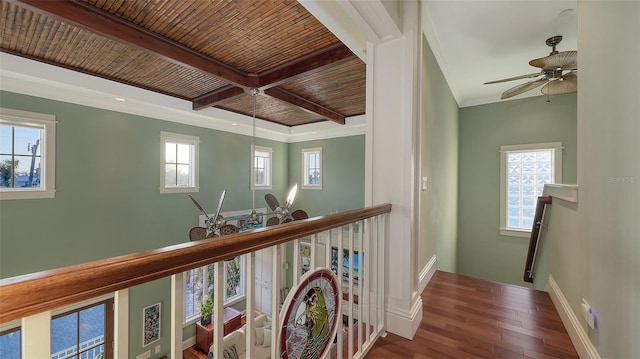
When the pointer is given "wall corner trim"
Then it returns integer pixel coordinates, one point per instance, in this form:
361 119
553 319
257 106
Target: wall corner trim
579 337
427 273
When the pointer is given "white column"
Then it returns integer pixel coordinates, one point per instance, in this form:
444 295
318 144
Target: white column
393 85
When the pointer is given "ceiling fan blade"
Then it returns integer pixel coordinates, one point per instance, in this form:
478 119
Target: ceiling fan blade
291 196
529 76
566 60
299 214
199 206
522 88
567 84
228 229
273 221
197 233
272 201
224 193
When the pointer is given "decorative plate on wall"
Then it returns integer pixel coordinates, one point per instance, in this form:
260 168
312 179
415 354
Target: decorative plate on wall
309 319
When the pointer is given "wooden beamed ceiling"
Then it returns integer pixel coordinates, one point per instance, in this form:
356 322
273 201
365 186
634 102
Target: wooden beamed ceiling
321 70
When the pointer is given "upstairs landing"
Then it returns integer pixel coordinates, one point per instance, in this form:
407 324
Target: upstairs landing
464 317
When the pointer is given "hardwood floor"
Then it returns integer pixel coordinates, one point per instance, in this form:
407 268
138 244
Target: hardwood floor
193 353
464 317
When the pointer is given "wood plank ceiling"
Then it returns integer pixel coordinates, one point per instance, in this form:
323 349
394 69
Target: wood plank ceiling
209 52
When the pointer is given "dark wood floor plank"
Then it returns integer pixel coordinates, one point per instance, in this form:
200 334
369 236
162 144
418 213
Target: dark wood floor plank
464 317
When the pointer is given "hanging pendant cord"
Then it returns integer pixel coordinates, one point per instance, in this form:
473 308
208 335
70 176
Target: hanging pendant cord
254 92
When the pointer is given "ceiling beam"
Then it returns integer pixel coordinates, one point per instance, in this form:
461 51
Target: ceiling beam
309 106
322 59
111 26
214 97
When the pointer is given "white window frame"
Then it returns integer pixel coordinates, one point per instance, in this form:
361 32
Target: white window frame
194 180
47 153
305 167
268 168
556 147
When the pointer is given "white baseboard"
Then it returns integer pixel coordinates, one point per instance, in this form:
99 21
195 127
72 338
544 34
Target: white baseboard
579 337
426 273
404 323
189 342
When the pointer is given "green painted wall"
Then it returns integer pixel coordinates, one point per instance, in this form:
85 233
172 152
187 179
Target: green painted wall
482 251
439 163
108 203
343 175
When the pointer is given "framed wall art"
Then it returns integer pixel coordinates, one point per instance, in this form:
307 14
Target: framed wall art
151 324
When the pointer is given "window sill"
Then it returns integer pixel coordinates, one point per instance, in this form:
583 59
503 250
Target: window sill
512 232
179 189
311 186
27 194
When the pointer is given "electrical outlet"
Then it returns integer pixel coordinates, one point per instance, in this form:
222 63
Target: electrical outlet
424 183
588 314
145 355
157 350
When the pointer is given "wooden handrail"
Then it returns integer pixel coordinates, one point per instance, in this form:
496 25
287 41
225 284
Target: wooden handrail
29 294
543 201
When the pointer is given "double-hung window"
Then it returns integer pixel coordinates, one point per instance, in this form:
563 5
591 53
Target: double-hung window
312 168
524 170
261 169
27 154
179 163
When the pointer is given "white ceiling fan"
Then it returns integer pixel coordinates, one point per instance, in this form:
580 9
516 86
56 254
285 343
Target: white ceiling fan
558 74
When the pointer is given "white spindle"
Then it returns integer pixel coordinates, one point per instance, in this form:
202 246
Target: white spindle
250 289
363 277
121 324
352 261
218 309
36 335
297 259
376 271
177 311
339 265
275 299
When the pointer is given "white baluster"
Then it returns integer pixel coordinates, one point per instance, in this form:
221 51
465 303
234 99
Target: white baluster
250 275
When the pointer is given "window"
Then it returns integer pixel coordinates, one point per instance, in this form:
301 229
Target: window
524 171
27 154
261 169
199 285
179 163
312 168
10 343
83 333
